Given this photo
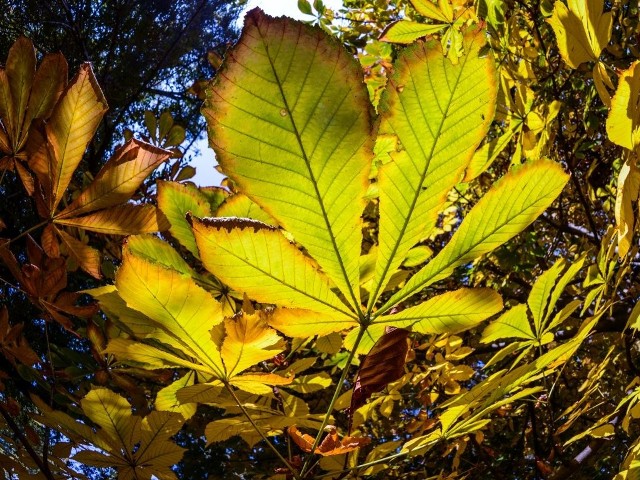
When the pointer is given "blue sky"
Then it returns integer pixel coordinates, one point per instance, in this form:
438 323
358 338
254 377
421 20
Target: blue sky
205 173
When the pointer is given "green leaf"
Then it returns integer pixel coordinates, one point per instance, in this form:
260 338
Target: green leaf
257 259
175 200
407 31
439 112
293 131
512 324
508 208
450 312
241 206
305 7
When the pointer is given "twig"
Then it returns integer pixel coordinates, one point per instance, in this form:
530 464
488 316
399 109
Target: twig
325 421
255 426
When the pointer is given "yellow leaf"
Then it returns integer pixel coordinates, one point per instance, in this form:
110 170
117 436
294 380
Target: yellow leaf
297 322
255 258
626 197
623 122
72 126
248 341
259 383
240 205
175 200
582 30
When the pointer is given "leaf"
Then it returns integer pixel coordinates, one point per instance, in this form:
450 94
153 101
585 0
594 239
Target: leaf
582 30
407 31
450 312
255 258
487 154
241 206
87 257
248 341
127 219
384 364
623 122
175 200
428 9
306 155
627 195
300 323
509 207
439 112
166 398
48 84
119 179
160 294
511 324
20 69
71 128
137 447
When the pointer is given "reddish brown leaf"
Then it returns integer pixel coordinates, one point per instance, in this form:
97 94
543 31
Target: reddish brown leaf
87 257
49 242
25 177
384 364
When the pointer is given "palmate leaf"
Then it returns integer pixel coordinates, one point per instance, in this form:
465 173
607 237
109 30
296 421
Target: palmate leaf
137 447
582 29
306 153
507 209
440 113
195 333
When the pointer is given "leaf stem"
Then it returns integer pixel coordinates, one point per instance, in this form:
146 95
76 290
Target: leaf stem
336 394
364 465
271 445
27 231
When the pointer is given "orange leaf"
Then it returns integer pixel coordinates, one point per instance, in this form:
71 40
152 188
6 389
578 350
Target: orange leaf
127 219
119 179
49 242
303 440
71 127
87 257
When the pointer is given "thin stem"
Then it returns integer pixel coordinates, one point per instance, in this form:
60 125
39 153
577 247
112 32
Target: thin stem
364 465
336 394
271 445
27 231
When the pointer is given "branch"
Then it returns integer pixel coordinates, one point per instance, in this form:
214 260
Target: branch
44 467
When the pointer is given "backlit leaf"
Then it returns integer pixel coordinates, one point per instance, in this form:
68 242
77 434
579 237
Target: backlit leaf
72 126
306 156
175 200
582 30
509 207
127 219
623 122
450 312
407 31
440 112
257 259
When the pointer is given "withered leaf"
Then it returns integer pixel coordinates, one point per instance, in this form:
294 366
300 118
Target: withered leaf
382 365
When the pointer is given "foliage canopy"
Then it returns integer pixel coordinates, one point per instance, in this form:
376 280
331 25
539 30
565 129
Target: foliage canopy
431 272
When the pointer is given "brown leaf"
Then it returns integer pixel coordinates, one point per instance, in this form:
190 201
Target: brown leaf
384 364
49 241
87 257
